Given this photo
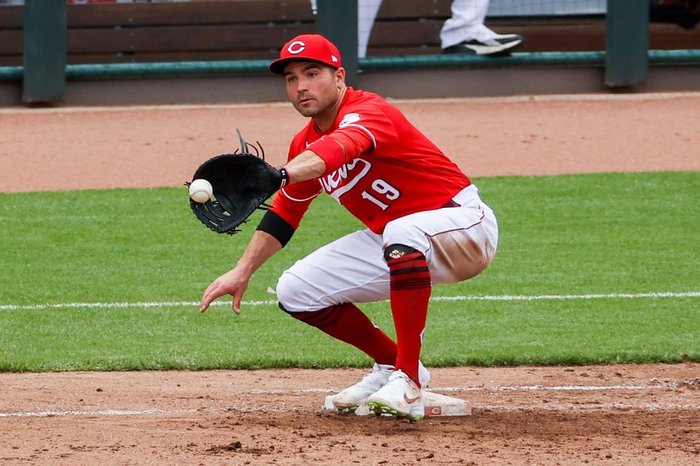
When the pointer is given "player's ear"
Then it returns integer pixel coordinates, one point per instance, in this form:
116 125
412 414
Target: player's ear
340 75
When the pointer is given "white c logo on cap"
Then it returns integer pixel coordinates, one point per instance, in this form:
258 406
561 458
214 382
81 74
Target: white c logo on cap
296 47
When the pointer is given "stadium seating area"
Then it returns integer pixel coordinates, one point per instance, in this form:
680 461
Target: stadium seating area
253 29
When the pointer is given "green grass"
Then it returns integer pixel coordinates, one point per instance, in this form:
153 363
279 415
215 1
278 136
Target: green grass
600 234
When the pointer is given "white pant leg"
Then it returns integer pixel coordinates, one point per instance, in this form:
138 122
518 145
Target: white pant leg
366 14
458 242
466 23
351 269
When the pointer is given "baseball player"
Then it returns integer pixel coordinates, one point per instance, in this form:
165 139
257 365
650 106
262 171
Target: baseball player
425 224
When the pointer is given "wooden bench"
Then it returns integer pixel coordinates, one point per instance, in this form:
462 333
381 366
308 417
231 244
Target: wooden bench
255 29
153 32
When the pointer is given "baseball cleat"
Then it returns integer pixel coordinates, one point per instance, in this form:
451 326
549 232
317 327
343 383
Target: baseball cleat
348 400
400 397
499 44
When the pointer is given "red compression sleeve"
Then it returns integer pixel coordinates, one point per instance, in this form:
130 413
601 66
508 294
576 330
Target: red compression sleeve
341 147
410 286
348 323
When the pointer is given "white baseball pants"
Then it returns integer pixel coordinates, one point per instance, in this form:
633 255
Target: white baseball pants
458 243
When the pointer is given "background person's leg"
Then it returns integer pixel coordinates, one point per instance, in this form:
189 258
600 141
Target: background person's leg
465 31
466 22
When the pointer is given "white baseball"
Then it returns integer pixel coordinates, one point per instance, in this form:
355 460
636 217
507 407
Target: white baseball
201 190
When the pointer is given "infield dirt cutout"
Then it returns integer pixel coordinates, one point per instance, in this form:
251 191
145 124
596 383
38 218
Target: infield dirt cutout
618 414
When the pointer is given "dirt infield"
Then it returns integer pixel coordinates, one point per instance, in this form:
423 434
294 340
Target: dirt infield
161 146
645 414
631 414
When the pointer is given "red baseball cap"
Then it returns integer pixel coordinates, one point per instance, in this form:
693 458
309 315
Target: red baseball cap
312 47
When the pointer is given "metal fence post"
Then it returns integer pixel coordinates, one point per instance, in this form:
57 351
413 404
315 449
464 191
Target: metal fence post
45 25
626 43
337 20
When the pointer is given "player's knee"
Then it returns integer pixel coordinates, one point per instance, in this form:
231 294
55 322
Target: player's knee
287 291
405 235
293 297
396 251
408 268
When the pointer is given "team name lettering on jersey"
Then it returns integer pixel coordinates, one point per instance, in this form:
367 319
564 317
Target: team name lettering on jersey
378 186
353 171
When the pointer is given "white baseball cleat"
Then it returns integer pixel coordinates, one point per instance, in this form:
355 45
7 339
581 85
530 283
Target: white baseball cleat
352 397
400 397
349 399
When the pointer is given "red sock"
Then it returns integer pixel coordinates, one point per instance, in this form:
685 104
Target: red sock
410 293
348 323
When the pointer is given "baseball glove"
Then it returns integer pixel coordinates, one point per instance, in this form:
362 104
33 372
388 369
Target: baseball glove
241 182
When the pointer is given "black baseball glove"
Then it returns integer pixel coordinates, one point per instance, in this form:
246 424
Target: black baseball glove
241 182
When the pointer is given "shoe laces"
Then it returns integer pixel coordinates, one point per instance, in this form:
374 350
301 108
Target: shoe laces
400 377
379 370
399 374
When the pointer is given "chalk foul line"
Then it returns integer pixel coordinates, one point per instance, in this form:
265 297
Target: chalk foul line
223 302
283 407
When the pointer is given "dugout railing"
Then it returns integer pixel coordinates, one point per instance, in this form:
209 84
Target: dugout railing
239 37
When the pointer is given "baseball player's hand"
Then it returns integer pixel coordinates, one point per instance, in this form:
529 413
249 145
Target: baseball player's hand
233 283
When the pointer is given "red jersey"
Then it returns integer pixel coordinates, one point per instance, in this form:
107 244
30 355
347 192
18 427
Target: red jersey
378 165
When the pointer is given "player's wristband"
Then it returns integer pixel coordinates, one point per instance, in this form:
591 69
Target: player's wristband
285 177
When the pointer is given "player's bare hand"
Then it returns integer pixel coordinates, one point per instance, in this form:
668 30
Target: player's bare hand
231 283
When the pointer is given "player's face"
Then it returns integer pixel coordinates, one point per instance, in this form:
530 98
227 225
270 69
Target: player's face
312 88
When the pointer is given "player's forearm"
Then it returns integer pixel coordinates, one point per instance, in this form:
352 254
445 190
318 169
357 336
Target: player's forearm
305 166
329 154
261 247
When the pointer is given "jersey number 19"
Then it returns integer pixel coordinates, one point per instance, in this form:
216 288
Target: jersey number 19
382 190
